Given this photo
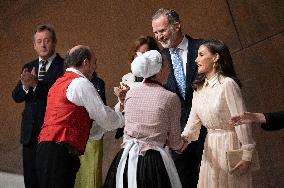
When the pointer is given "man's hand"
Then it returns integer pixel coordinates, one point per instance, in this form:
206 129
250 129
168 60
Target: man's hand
28 79
34 79
247 118
25 78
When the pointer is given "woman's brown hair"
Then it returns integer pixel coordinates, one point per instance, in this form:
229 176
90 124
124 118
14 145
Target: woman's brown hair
224 66
150 41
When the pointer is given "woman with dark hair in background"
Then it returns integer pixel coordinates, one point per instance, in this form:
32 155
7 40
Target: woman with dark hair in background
216 98
140 46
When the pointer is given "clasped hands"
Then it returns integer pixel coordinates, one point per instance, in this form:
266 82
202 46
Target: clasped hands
184 145
121 91
28 79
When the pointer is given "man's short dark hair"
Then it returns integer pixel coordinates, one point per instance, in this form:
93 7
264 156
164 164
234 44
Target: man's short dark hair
49 28
76 57
170 14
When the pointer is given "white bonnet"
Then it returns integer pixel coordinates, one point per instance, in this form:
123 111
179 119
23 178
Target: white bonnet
146 65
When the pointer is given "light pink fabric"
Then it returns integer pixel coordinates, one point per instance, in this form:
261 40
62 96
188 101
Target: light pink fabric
212 106
152 116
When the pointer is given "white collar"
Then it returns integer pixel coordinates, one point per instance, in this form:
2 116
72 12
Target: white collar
212 81
76 71
50 59
182 46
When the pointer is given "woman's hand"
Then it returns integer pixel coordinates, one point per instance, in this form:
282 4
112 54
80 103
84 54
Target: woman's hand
185 137
184 145
120 92
241 168
124 87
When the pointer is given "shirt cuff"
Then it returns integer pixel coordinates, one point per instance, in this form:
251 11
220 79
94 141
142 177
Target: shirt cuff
34 88
96 132
117 107
247 155
25 90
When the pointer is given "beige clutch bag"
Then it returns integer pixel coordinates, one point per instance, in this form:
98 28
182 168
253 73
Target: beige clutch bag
235 156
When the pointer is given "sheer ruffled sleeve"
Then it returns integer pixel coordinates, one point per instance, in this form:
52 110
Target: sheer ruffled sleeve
193 125
236 107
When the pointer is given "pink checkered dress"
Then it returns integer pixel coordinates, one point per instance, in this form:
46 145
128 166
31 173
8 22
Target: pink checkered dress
152 116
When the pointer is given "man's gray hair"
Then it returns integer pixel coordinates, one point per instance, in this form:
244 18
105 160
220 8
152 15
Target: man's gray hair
48 27
170 14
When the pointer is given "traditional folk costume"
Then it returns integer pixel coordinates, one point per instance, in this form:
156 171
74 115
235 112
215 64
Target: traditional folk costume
72 104
152 116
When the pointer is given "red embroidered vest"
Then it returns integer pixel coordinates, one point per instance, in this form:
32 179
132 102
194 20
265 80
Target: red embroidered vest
64 121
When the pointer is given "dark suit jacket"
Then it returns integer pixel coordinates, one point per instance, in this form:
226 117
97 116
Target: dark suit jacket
100 86
191 72
35 101
274 121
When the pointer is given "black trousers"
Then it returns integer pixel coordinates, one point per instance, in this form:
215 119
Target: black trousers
188 162
29 165
56 167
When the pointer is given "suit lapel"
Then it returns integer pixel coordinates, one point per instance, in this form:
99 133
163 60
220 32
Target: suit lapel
36 66
168 55
191 65
171 78
52 68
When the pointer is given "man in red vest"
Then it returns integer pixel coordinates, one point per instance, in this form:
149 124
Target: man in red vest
72 104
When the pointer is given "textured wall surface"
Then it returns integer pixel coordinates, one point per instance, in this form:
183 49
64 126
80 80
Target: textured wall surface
252 29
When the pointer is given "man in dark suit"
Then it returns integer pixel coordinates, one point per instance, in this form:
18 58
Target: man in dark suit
100 86
181 52
36 79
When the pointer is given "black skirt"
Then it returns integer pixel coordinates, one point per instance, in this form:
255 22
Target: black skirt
151 171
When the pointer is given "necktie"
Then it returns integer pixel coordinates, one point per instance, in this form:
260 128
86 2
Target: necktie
178 71
42 70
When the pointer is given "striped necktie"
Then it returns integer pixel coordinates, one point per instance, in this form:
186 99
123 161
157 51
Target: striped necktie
178 71
42 70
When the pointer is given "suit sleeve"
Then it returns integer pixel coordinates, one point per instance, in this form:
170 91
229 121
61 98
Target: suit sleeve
101 88
274 121
18 94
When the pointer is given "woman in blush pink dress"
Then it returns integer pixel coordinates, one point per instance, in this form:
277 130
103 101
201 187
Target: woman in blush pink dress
216 99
